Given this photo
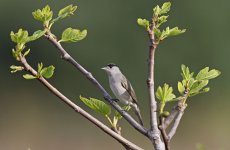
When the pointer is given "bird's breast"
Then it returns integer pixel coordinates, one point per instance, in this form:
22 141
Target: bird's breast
120 93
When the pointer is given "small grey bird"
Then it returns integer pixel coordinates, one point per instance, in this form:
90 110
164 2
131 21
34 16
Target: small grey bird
122 88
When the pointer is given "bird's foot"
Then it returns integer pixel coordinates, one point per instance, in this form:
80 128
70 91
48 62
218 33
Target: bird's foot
115 99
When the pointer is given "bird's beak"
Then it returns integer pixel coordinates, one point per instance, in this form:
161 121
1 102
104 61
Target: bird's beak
105 68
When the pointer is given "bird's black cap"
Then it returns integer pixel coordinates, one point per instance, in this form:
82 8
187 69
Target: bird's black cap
111 65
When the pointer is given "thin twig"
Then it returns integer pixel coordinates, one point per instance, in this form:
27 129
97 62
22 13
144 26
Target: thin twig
163 133
158 144
119 138
170 118
150 81
178 117
93 80
181 106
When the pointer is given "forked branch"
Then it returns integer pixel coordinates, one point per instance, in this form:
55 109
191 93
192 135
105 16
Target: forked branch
91 78
127 144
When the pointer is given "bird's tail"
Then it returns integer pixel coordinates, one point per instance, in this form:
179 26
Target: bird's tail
138 113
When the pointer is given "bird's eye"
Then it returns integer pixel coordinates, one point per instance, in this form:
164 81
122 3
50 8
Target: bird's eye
111 65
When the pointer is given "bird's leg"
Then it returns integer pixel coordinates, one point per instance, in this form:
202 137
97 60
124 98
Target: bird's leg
115 99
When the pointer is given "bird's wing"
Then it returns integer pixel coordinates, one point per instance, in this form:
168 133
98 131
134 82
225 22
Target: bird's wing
126 84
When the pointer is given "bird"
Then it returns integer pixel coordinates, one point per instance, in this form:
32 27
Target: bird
122 88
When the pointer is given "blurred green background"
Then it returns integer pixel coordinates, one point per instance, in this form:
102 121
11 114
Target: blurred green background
30 116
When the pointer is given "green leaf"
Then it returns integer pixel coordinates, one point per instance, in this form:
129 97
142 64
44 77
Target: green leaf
17 53
118 115
44 15
186 72
40 66
67 11
157 32
197 86
97 105
36 35
156 10
20 37
161 20
165 8
190 83
26 53
171 32
29 76
144 23
205 90
165 94
205 74
176 31
16 68
73 35
181 88
47 72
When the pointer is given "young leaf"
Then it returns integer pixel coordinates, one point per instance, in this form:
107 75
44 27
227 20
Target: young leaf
161 20
20 37
186 72
101 106
44 15
198 86
176 31
190 83
156 10
205 74
16 68
143 22
36 35
26 53
157 33
16 53
40 66
165 94
29 76
171 32
118 115
181 88
67 11
97 105
73 35
205 90
47 72
165 8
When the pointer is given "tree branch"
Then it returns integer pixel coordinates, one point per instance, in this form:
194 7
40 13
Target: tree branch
127 144
172 115
181 107
91 78
158 144
163 133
